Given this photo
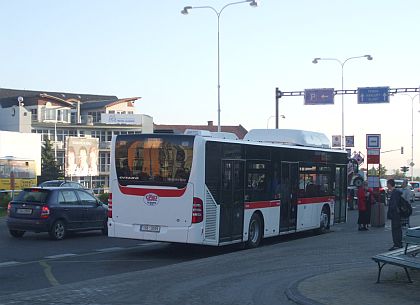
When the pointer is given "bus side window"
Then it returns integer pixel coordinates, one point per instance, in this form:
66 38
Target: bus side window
257 182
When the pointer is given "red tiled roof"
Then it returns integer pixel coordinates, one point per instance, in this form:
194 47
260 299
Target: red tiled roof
239 130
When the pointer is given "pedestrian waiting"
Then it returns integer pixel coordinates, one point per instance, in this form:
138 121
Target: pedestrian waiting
364 202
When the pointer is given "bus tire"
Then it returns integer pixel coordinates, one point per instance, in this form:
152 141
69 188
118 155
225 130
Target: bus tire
325 218
255 231
16 233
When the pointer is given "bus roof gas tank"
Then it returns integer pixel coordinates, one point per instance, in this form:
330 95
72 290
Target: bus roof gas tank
289 137
206 133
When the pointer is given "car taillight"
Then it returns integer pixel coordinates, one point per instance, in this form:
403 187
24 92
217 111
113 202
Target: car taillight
9 207
197 211
45 212
110 205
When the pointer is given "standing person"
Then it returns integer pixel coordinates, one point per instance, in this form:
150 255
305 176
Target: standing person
394 215
362 206
407 194
370 200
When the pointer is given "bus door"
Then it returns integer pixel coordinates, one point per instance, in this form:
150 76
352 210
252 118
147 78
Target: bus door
289 187
232 200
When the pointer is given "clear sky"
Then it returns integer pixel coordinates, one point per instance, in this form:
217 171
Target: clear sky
148 49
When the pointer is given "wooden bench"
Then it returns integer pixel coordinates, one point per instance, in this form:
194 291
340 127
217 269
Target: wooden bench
404 257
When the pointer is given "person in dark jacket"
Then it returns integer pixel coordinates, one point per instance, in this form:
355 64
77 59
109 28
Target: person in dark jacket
394 214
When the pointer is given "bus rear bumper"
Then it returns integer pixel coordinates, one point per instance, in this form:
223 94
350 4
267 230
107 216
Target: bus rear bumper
133 231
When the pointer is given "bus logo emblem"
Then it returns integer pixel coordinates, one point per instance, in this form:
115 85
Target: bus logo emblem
151 199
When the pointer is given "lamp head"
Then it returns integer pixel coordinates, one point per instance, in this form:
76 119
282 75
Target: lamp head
185 10
253 3
369 57
315 61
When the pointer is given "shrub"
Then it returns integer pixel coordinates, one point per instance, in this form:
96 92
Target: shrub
4 200
104 197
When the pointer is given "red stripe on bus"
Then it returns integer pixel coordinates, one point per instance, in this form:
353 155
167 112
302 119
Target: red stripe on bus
143 191
315 200
262 204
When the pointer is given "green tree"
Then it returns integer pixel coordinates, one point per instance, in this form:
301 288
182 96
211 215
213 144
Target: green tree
382 170
49 167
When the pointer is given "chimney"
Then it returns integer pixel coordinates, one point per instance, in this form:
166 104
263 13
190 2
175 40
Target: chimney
209 123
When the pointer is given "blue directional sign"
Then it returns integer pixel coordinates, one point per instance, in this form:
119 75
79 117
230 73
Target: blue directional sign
372 95
319 96
373 141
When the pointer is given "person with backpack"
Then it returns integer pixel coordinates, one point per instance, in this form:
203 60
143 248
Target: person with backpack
394 214
405 206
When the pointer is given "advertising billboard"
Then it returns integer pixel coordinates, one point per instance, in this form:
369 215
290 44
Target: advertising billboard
82 156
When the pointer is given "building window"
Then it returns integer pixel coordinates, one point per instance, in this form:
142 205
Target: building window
104 161
34 113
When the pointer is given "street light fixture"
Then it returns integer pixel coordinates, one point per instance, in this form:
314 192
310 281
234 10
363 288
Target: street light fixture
412 131
282 116
342 63
185 11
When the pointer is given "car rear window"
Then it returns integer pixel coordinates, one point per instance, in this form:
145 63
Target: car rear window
33 195
51 183
415 184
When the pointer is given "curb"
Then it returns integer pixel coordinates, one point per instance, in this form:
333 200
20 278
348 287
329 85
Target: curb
292 293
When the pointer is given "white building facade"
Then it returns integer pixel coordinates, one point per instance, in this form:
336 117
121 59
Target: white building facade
56 116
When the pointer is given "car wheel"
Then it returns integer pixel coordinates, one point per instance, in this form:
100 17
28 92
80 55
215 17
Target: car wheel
58 230
16 233
105 228
255 231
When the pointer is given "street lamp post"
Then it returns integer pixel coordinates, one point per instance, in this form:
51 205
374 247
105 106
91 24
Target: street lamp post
185 11
282 116
342 63
412 132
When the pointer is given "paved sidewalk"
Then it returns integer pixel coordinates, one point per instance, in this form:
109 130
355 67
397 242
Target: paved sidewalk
358 286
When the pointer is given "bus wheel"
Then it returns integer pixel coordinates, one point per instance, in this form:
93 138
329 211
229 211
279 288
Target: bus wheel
255 231
324 225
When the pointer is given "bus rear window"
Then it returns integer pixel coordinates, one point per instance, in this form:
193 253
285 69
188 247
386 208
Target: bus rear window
163 160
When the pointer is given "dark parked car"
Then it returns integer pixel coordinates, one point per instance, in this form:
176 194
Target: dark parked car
55 210
64 183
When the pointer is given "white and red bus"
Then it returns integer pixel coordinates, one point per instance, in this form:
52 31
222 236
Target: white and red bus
211 191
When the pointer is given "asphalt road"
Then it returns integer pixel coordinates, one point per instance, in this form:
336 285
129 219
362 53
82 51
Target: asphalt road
92 269
35 261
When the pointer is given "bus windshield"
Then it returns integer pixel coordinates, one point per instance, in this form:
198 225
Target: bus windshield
155 160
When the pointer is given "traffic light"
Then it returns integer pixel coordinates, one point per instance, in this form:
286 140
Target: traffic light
402 150
404 169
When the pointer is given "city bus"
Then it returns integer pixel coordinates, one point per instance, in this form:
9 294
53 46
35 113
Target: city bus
17 174
199 189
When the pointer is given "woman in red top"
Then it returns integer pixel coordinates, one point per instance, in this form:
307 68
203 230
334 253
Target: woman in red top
364 199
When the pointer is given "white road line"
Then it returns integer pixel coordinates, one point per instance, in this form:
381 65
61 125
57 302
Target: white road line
10 263
110 249
61 255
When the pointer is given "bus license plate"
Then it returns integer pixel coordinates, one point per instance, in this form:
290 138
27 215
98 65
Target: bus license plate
24 211
150 228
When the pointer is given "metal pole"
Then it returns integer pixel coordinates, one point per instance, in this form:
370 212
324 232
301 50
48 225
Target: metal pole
277 108
342 107
218 73
412 137
55 137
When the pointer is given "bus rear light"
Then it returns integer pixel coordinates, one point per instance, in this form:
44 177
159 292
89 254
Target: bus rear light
9 208
45 212
197 211
110 205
